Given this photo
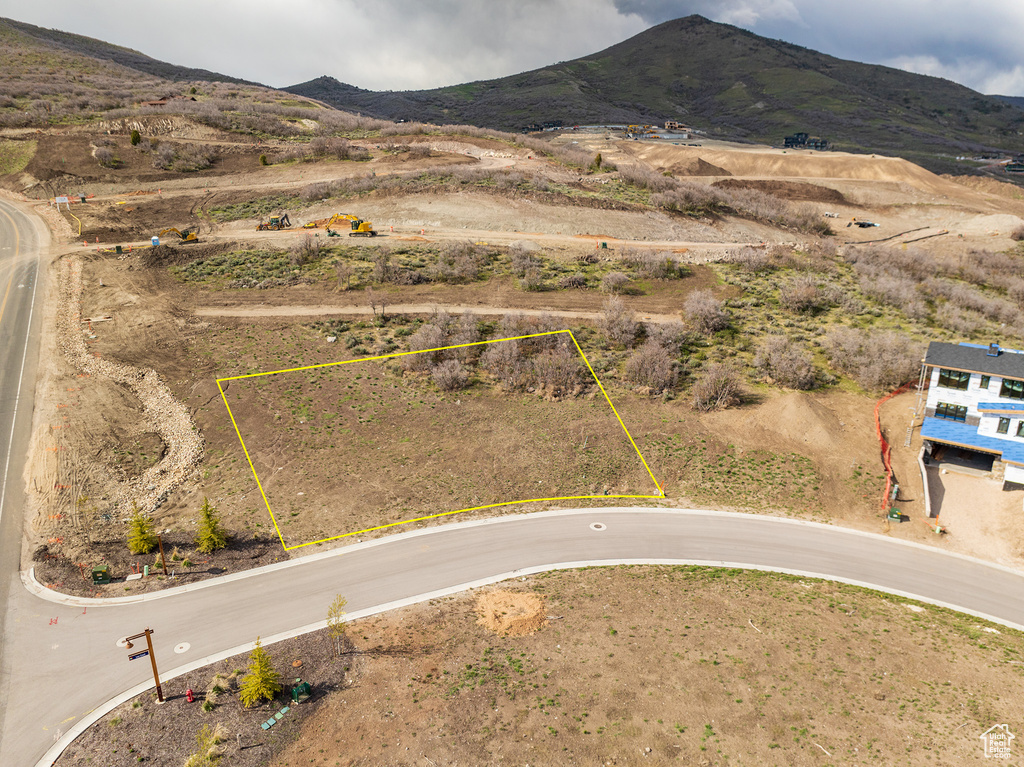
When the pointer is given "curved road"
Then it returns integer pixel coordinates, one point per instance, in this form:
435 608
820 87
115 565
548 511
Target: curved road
66 655
62 668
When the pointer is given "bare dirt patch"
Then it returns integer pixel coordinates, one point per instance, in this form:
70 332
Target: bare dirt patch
797 191
510 613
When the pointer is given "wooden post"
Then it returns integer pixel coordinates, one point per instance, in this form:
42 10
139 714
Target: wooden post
152 659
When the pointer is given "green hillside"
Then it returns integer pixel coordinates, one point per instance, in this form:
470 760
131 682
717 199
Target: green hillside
727 81
97 49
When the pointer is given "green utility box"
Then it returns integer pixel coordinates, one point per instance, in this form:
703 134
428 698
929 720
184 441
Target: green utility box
301 691
100 574
894 514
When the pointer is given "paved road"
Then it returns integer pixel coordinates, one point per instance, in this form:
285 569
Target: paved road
22 239
66 654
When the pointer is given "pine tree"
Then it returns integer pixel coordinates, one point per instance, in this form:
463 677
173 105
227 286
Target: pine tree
210 536
136 137
141 538
261 682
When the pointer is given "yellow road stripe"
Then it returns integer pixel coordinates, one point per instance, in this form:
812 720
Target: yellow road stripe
17 251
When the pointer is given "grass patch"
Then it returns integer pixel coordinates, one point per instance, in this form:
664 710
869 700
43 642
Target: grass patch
15 155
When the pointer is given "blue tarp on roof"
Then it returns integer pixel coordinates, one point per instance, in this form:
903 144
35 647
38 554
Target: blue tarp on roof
957 433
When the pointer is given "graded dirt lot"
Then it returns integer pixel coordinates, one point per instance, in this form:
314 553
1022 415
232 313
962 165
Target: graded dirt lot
640 665
792 453
622 666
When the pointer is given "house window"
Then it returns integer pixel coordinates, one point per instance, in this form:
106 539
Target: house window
954 379
1020 428
1004 426
1012 389
951 412
984 381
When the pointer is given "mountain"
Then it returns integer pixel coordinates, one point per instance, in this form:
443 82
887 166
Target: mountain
97 49
722 79
1017 101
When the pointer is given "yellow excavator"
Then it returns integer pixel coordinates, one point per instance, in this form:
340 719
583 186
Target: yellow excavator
186 235
358 227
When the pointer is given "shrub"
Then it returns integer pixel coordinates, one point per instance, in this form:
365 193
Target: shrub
305 251
614 282
789 366
450 375
619 323
705 312
1017 235
505 361
754 260
718 387
875 360
163 157
429 336
264 160
578 281
522 260
558 368
803 295
651 366
531 280
104 156
671 335
136 137
457 262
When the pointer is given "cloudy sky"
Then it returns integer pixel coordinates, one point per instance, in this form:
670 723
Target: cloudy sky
412 44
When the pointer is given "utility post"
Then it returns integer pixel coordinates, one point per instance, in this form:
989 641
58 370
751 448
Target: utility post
152 658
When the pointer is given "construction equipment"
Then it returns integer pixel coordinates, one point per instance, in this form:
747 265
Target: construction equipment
327 223
362 228
275 223
186 235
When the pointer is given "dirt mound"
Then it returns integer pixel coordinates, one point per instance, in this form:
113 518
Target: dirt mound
773 163
698 168
174 255
989 186
511 614
797 191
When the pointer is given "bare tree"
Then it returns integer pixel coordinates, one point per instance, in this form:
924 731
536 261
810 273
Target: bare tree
717 388
344 271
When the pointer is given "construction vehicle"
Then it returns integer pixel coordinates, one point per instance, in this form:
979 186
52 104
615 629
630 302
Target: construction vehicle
275 223
362 228
327 223
186 235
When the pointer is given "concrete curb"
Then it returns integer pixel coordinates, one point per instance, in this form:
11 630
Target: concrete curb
98 713
35 587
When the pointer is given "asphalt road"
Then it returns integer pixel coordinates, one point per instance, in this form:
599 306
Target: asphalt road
60 665
66 659
22 239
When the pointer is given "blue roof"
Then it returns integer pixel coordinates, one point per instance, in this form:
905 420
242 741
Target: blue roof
942 430
1016 407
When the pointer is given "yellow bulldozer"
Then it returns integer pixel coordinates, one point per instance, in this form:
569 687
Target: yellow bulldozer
275 223
186 235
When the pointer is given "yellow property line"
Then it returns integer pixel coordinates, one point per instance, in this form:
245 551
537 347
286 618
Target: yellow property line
266 502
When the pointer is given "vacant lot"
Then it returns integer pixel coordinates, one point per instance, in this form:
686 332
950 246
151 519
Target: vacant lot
637 665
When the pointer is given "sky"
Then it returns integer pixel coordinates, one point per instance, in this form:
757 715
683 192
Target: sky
415 44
